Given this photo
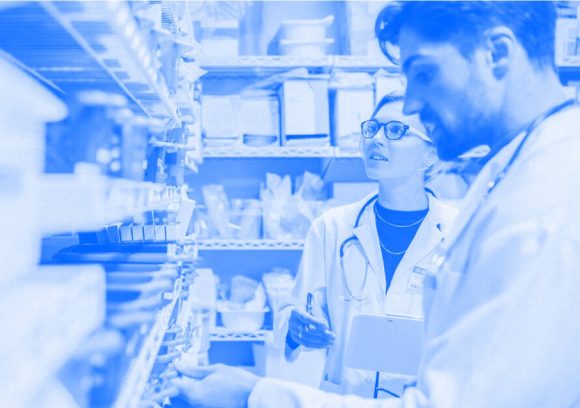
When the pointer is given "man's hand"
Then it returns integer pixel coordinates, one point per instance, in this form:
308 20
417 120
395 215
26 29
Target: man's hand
215 386
308 330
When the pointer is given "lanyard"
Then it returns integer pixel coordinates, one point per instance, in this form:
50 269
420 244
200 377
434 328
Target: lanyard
439 258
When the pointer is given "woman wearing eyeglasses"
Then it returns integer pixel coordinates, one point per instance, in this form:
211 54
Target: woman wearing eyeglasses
360 258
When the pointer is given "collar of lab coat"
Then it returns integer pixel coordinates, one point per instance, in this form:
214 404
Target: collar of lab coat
428 235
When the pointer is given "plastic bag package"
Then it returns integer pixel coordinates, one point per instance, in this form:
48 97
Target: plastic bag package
246 219
287 216
278 284
218 209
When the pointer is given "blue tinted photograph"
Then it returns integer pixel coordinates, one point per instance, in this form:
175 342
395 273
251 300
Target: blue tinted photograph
289 204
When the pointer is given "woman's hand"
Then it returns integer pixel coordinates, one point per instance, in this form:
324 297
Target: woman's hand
309 331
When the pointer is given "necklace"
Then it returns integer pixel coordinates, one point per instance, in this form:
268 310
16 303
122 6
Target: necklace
388 251
396 225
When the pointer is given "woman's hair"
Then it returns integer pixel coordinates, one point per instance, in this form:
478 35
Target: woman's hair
385 100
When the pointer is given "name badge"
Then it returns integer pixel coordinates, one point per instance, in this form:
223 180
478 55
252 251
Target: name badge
416 280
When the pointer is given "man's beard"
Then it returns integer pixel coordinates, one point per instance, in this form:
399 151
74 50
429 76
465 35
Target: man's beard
450 145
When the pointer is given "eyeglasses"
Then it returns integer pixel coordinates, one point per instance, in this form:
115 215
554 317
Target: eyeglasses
394 130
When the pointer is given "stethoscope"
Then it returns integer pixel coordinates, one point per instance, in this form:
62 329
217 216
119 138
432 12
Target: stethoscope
442 254
352 240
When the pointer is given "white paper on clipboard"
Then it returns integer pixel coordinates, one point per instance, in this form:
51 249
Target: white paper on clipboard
386 343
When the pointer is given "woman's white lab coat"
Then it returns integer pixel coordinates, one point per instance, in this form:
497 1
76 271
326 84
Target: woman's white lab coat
321 273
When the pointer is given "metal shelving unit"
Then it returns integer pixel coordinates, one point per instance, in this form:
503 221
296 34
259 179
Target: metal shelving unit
138 373
260 244
77 45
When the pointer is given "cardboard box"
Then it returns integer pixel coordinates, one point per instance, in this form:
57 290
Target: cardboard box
305 112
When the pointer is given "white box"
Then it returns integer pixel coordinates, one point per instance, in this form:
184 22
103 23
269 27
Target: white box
305 117
183 216
352 104
567 33
113 234
306 30
126 233
137 233
160 233
221 118
149 233
260 119
172 232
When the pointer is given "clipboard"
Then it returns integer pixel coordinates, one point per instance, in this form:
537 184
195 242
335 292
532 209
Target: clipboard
385 343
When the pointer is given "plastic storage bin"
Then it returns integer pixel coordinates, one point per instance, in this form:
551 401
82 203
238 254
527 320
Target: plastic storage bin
306 30
243 320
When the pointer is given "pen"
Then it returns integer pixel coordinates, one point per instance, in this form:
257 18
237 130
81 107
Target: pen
309 303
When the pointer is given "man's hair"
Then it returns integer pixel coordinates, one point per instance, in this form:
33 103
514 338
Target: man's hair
464 23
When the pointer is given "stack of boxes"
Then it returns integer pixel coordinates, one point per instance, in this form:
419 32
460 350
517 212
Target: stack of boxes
301 110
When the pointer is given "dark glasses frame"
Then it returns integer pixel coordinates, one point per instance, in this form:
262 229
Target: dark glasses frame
388 134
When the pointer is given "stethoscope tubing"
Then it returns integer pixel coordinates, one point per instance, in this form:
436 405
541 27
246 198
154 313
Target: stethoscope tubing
341 251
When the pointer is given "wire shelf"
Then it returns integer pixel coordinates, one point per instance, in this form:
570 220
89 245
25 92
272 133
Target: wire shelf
265 61
260 244
246 152
264 64
268 151
225 334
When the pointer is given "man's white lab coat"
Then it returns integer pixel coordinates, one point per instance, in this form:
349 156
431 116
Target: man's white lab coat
503 320
321 274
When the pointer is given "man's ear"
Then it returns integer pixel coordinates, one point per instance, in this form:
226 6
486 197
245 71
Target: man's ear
501 45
